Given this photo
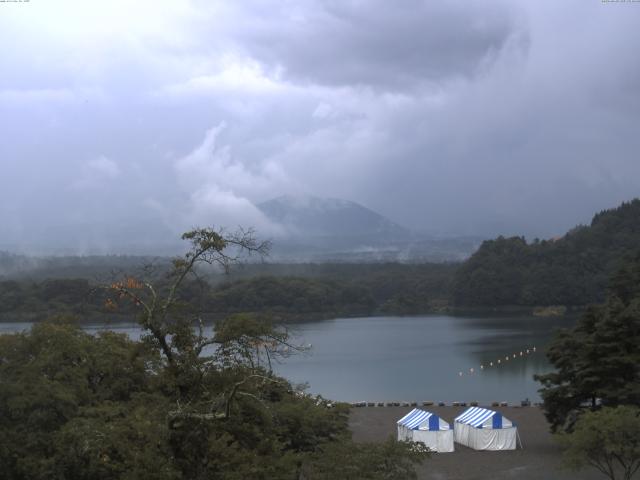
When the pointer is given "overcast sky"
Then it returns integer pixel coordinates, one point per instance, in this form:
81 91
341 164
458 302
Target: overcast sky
128 121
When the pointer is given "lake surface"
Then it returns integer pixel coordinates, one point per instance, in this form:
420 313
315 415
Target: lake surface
412 358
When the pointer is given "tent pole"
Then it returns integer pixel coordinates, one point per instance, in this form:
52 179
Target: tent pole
519 439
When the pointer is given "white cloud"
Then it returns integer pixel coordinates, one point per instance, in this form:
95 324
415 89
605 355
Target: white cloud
221 190
236 76
323 110
97 172
103 167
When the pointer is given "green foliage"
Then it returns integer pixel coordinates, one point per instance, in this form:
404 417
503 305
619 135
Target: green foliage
288 292
125 440
291 296
608 440
391 460
55 378
104 407
598 360
175 405
572 270
29 301
313 290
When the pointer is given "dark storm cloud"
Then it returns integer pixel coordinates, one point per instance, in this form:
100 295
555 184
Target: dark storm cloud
380 44
128 123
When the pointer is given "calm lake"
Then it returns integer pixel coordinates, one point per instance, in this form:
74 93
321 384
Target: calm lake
412 358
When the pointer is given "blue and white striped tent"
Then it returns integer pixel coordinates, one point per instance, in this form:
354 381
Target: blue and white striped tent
484 429
426 427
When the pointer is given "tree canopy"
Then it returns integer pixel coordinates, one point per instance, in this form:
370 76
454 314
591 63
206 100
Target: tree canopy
607 440
179 403
287 292
598 361
571 270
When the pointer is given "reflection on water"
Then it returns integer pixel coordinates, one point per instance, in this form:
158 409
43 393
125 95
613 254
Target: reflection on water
420 358
411 358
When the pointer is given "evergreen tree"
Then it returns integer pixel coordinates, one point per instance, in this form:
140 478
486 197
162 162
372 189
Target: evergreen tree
607 440
178 404
571 270
598 361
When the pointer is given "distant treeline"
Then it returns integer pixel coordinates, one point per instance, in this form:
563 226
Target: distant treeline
572 270
318 291
343 289
29 300
18 266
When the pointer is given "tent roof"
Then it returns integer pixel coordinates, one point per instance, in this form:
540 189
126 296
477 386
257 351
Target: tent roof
475 416
415 418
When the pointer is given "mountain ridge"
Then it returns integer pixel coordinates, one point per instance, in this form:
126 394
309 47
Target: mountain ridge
307 215
574 269
333 229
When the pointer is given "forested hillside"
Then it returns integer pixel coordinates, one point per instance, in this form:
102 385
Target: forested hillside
168 406
572 270
340 290
288 292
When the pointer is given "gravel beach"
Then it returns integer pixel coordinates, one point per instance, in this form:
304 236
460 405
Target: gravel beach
539 459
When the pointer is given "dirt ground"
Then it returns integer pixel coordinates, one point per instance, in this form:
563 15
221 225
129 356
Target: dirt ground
539 459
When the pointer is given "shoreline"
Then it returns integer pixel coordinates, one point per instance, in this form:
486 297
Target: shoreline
539 458
284 318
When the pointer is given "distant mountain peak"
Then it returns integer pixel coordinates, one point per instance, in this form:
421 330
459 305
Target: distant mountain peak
304 201
307 215
334 229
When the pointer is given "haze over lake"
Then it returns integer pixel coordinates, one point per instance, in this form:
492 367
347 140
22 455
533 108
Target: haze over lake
411 358
420 358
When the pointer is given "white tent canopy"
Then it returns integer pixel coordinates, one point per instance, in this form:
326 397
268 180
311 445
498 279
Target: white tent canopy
426 427
483 429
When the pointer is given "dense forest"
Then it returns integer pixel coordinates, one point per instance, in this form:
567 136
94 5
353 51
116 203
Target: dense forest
592 395
597 360
346 289
572 270
82 406
287 292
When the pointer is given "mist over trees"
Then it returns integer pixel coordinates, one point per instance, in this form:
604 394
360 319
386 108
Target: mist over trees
290 292
572 270
171 406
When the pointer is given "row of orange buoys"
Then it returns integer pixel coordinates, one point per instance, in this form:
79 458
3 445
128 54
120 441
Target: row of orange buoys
501 361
